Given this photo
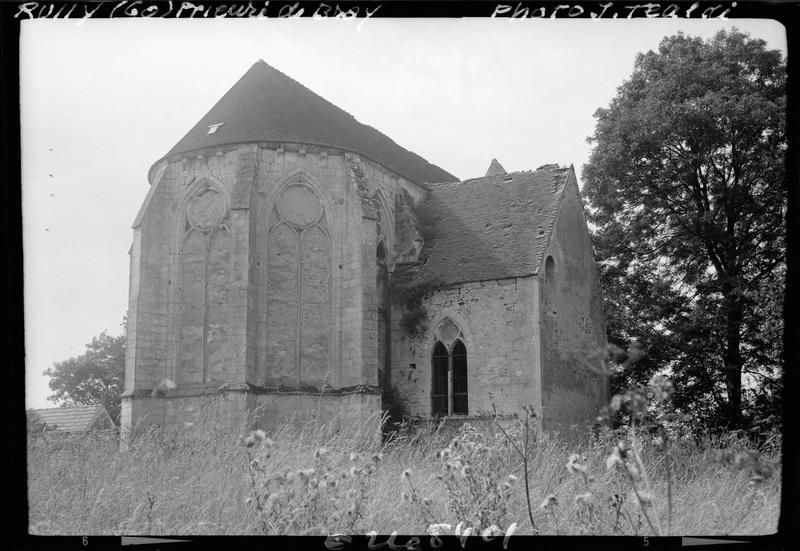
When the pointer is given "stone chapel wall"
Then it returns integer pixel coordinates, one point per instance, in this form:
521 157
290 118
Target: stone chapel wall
572 320
497 319
256 264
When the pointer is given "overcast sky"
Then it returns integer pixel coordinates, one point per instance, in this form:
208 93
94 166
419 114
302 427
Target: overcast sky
103 100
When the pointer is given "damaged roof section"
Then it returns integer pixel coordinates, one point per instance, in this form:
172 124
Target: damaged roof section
487 228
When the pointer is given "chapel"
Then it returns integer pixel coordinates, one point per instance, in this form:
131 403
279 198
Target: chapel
293 262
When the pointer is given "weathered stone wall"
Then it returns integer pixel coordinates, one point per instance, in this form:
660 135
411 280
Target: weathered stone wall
256 264
497 321
572 320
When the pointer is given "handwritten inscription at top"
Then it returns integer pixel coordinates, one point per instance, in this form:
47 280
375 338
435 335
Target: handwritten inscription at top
323 10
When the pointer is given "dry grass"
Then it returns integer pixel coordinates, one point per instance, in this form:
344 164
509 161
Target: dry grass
205 481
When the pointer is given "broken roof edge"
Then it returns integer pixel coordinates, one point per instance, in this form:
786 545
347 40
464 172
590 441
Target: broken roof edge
172 157
549 166
571 178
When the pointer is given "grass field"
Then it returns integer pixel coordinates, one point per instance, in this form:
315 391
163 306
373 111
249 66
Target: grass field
313 481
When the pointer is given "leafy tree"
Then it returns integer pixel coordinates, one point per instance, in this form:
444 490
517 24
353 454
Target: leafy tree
96 376
687 190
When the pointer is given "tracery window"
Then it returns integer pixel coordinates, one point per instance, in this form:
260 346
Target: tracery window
204 269
450 388
298 288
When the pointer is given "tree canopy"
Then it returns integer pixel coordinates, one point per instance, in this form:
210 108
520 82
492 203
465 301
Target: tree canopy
686 188
96 376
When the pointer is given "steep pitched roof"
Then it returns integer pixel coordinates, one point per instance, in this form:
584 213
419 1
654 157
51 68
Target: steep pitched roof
490 228
266 105
74 419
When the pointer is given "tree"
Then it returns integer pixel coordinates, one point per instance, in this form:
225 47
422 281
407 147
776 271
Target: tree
686 188
96 376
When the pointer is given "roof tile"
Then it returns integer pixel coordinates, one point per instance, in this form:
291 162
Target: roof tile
70 419
266 105
493 227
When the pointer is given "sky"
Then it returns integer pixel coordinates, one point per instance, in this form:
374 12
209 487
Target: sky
102 100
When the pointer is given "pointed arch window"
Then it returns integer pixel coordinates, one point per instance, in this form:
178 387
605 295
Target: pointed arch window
204 271
297 277
450 380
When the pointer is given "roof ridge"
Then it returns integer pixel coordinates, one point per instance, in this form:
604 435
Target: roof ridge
64 408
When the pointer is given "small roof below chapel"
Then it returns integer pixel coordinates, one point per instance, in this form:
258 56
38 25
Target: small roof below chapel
495 168
75 418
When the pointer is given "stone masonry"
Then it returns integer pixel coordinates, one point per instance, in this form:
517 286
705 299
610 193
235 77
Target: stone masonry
265 265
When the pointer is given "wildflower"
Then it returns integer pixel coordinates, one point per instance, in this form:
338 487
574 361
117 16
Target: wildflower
512 479
454 444
354 471
459 526
406 474
492 531
248 501
259 435
249 441
549 501
377 457
586 499
615 500
406 496
573 466
465 470
438 529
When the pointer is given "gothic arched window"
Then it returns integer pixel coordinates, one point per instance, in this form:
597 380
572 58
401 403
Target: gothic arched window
449 393
298 289
440 379
204 268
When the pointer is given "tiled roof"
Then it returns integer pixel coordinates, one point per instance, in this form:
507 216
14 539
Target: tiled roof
493 227
73 419
265 105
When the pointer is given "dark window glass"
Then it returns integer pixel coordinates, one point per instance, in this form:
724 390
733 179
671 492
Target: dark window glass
460 378
439 379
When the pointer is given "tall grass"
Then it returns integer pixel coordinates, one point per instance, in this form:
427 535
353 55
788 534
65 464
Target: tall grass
317 480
